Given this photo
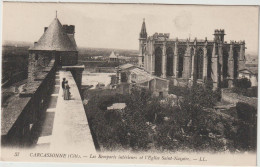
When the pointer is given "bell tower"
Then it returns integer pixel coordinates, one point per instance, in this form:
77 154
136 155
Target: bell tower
142 43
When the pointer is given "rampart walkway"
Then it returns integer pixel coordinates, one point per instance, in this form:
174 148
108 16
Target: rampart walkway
70 130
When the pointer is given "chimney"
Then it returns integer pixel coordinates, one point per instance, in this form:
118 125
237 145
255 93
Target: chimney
45 29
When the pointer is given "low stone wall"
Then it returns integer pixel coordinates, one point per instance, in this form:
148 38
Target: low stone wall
228 96
160 87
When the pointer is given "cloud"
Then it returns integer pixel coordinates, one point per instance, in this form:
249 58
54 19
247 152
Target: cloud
183 21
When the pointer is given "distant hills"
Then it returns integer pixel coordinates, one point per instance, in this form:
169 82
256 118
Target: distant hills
83 51
17 43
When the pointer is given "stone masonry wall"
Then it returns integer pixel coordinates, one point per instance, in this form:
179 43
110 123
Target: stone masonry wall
25 111
37 61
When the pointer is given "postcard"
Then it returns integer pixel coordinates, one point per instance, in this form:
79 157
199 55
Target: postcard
129 83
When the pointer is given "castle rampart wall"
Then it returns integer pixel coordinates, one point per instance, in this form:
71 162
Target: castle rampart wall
25 110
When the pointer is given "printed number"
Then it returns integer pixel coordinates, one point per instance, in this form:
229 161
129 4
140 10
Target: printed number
16 154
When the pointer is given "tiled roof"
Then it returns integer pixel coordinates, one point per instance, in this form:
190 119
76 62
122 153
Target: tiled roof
142 76
55 38
126 66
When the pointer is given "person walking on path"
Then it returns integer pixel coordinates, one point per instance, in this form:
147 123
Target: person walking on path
66 91
63 86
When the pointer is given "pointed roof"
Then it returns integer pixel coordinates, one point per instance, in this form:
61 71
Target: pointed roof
112 55
55 38
143 33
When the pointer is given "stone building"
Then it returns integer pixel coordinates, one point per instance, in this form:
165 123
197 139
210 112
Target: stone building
55 51
58 43
187 61
139 78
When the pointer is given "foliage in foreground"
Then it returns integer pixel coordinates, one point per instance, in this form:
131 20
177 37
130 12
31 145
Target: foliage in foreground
150 123
243 87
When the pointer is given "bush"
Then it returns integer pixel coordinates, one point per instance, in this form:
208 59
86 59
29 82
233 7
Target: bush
251 92
200 96
243 83
148 123
246 112
247 126
120 129
178 90
243 87
224 83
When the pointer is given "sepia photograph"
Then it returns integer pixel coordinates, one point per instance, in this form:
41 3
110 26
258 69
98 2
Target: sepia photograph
129 83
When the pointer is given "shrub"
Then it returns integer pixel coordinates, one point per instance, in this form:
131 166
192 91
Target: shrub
178 90
246 112
251 92
247 126
200 96
243 83
224 84
146 122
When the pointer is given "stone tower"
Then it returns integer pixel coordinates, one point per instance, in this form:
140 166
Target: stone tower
219 35
57 43
142 44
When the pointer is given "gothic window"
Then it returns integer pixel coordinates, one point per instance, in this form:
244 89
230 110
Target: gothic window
225 63
158 61
143 54
209 69
198 64
181 52
235 63
169 53
191 55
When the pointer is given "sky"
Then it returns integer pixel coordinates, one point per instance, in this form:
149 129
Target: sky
119 25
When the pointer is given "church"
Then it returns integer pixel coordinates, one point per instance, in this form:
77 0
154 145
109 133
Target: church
186 61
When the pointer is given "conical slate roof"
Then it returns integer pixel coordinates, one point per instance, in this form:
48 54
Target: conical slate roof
55 38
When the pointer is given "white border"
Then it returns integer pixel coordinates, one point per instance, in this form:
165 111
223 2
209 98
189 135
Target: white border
179 2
